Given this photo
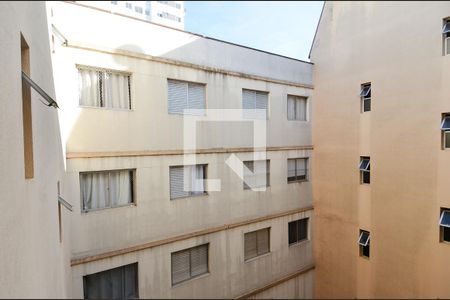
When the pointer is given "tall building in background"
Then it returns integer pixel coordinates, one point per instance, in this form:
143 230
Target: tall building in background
168 13
380 133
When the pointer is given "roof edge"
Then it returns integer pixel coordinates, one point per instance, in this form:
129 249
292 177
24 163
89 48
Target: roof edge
188 32
317 29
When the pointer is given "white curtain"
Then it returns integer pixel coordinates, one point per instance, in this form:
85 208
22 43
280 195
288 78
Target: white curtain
300 112
116 91
94 188
106 189
89 87
120 188
291 108
193 180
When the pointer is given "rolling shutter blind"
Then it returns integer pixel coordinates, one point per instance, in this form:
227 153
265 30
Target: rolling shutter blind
291 170
176 183
301 168
262 237
180 266
196 97
199 260
185 95
177 96
250 248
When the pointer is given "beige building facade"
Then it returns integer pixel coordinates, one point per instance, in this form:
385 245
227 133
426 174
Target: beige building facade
143 138
397 48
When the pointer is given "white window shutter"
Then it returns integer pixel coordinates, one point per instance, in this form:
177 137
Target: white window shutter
180 266
291 107
199 260
177 96
250 248
176 183
196 97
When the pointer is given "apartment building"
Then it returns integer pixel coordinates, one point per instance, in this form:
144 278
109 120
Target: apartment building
144 220
381 104
34 223
168 13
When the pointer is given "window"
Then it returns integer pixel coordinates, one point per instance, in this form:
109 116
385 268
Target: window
26 111
189 263
252 100
366 94
114 2
106 189
104 88
444 225
185 95
256 243
256 174
297 169
118 283
128 5
186 181
147 12
296 108
446 36
364 169
445 129
364 243
298 231
138 9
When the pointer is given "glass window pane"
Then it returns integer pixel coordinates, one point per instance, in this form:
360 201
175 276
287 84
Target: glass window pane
365 90
366 104
292 232
292 176
446 28
364 164
364 238
445 218
445 124
302 229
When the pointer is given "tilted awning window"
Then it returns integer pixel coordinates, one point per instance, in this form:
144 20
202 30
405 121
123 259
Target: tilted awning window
445 125
365 90
446 27
40 91
364 165
364 238
445 219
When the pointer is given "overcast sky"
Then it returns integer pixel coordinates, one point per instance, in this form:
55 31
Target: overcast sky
282 27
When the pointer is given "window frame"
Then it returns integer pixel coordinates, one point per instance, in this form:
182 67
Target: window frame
269 229
205 177
367 97
364 171
306 98
247 187
443 228
132 185
444 131
106 70
122 267
307 238
445 36
296 175
364 249
190 264
267 107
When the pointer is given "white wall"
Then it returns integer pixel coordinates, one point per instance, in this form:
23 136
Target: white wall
32 261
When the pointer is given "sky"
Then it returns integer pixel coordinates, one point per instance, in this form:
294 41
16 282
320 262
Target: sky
281 27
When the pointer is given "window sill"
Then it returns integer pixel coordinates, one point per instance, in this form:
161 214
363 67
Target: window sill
256 189
190 279
85 212
257 257
365 257
191 196
298 181
107 108
299 243
300 121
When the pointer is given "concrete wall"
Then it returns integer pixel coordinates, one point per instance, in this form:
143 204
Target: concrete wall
33 261
398 48
229 275
149 127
